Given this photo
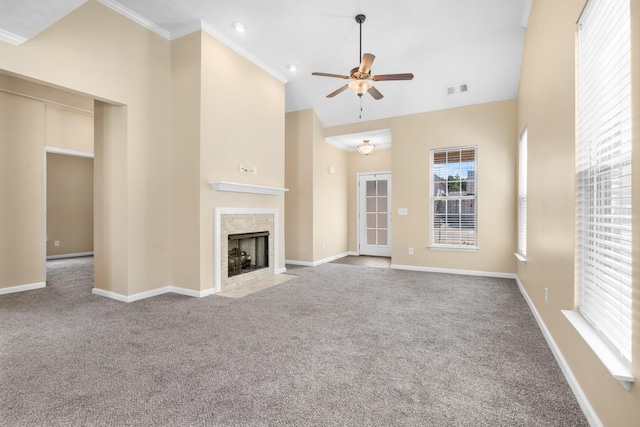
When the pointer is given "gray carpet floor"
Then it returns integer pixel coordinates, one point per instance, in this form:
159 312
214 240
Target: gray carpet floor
339 345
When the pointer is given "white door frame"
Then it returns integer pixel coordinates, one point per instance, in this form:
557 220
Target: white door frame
358 176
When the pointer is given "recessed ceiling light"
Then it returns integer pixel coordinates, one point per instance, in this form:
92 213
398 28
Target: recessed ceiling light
291 67
238 26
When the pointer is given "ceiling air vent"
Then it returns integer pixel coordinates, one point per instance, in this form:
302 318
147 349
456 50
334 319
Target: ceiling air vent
451 90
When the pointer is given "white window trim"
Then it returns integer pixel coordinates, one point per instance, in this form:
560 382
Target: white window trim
444 247
522 194
610 356
616 367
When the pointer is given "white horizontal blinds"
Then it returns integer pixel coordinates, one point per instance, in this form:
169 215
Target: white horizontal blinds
453 197
604 171
522 194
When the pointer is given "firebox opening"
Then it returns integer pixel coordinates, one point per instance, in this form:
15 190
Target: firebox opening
248 252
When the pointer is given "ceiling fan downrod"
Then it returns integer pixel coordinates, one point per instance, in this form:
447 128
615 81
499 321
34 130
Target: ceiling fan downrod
360 19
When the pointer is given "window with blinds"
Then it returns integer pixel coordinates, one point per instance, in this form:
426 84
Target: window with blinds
603 167
453 198
522 195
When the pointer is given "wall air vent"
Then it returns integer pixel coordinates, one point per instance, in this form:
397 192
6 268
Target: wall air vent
452 90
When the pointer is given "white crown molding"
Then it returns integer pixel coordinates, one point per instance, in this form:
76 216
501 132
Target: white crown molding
237 187
11 38
140 20
526 13
203 26
188 29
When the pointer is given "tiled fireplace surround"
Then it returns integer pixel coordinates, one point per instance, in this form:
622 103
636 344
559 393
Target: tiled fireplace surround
243 220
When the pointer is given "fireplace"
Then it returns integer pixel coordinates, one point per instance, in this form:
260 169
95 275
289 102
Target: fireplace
247 252
231 225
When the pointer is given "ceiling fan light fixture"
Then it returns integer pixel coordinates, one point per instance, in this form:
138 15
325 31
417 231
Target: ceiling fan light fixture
366 148
360 86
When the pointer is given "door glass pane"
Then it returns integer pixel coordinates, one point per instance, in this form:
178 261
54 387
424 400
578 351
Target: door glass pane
371 220
382 220
371 204
371 237
382 188
382 237
371 188
382 204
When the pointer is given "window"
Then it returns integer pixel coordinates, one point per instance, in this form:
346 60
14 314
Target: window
603 168
453 198
522 196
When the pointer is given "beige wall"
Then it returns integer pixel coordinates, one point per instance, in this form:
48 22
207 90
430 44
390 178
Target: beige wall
51 95
186 55
242 122
547 108
69 204
68 128
492 128
330 197
35 107
22 248
299 180
117 60
317 201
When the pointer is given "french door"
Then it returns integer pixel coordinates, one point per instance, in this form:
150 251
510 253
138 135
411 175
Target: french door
374 214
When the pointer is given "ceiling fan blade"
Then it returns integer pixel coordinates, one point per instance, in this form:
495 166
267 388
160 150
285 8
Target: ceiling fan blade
382 77
365 65
335 92
339 76
375 93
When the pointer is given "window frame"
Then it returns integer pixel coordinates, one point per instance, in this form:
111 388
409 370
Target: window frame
434 198
603 152
521 254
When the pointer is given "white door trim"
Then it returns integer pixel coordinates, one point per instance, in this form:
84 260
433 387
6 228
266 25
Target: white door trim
358 176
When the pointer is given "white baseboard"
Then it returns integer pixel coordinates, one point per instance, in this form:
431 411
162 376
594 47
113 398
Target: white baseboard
152 293
22 288
280 270
455 271
79 254
190 292
584 403
319 262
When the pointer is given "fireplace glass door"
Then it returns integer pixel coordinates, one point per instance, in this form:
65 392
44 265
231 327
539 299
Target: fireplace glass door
248 252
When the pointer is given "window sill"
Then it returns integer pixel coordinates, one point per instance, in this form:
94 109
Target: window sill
616 367
454 248
521 257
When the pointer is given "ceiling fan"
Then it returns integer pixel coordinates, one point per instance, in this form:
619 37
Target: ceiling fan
361 78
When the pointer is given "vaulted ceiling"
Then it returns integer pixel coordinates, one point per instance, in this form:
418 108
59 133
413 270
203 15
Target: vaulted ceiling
442 42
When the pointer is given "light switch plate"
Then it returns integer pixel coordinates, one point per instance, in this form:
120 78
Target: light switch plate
403 211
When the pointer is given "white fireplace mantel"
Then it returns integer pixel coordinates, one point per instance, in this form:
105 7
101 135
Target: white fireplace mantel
247 188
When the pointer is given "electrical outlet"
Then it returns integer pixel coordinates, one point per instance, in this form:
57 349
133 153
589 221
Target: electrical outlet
242 169
324 246
255 170
410 251
546 295
56 243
